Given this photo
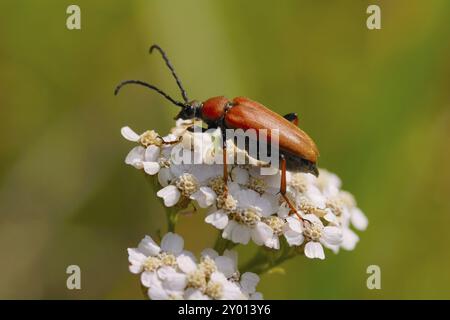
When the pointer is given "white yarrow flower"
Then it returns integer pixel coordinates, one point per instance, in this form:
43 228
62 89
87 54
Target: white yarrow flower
312 231
248 208
169 272
244 221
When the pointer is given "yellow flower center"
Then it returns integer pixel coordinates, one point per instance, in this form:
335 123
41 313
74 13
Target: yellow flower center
247 217
208 266
152 263
336 205
150 137
227 203
276 224
162 259
298 182
257 184
167 259
197 279
217 184
307 207
214 290
188 184
312 230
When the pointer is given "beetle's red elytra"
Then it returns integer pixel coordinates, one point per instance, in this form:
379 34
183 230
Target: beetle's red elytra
298 152
248 114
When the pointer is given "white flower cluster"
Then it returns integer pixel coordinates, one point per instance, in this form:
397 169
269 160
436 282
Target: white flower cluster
252 209
169 272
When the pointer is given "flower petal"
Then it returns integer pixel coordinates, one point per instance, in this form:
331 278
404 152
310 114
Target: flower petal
175 282
294 224
359 219
210 253
283 211
240 234
205 197
247 198
136 259
294 238
225 265
313 218
165 272
149 279
151 168
249 281
129 134
239 175
148 247
349 239
314 250
261 233
234 189
218 219
226 234
331 217
157 293
164 176
265 205
233 255
152 153
273 242
186 263
331 235
135 157
172 243
316 197
231 291
170 195
195 294
256 296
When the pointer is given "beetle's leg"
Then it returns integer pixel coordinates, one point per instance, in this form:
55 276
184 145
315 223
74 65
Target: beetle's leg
292 117
225 167
283 188
192 128
195 128
170 142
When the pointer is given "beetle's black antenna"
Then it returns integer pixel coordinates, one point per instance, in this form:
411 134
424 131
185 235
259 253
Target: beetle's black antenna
147 85
169 65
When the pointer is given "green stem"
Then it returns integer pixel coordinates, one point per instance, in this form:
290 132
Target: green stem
257 264
172 218
267 259
222 244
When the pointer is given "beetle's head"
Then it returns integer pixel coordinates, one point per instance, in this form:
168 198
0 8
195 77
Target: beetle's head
190 111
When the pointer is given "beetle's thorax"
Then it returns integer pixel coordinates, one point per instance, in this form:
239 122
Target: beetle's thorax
214 109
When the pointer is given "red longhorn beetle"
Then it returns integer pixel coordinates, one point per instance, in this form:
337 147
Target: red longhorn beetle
298 152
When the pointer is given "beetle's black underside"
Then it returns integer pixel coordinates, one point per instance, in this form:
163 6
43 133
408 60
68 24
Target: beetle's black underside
297 164
294 163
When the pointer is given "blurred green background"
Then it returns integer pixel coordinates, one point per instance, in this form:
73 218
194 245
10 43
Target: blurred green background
376 102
